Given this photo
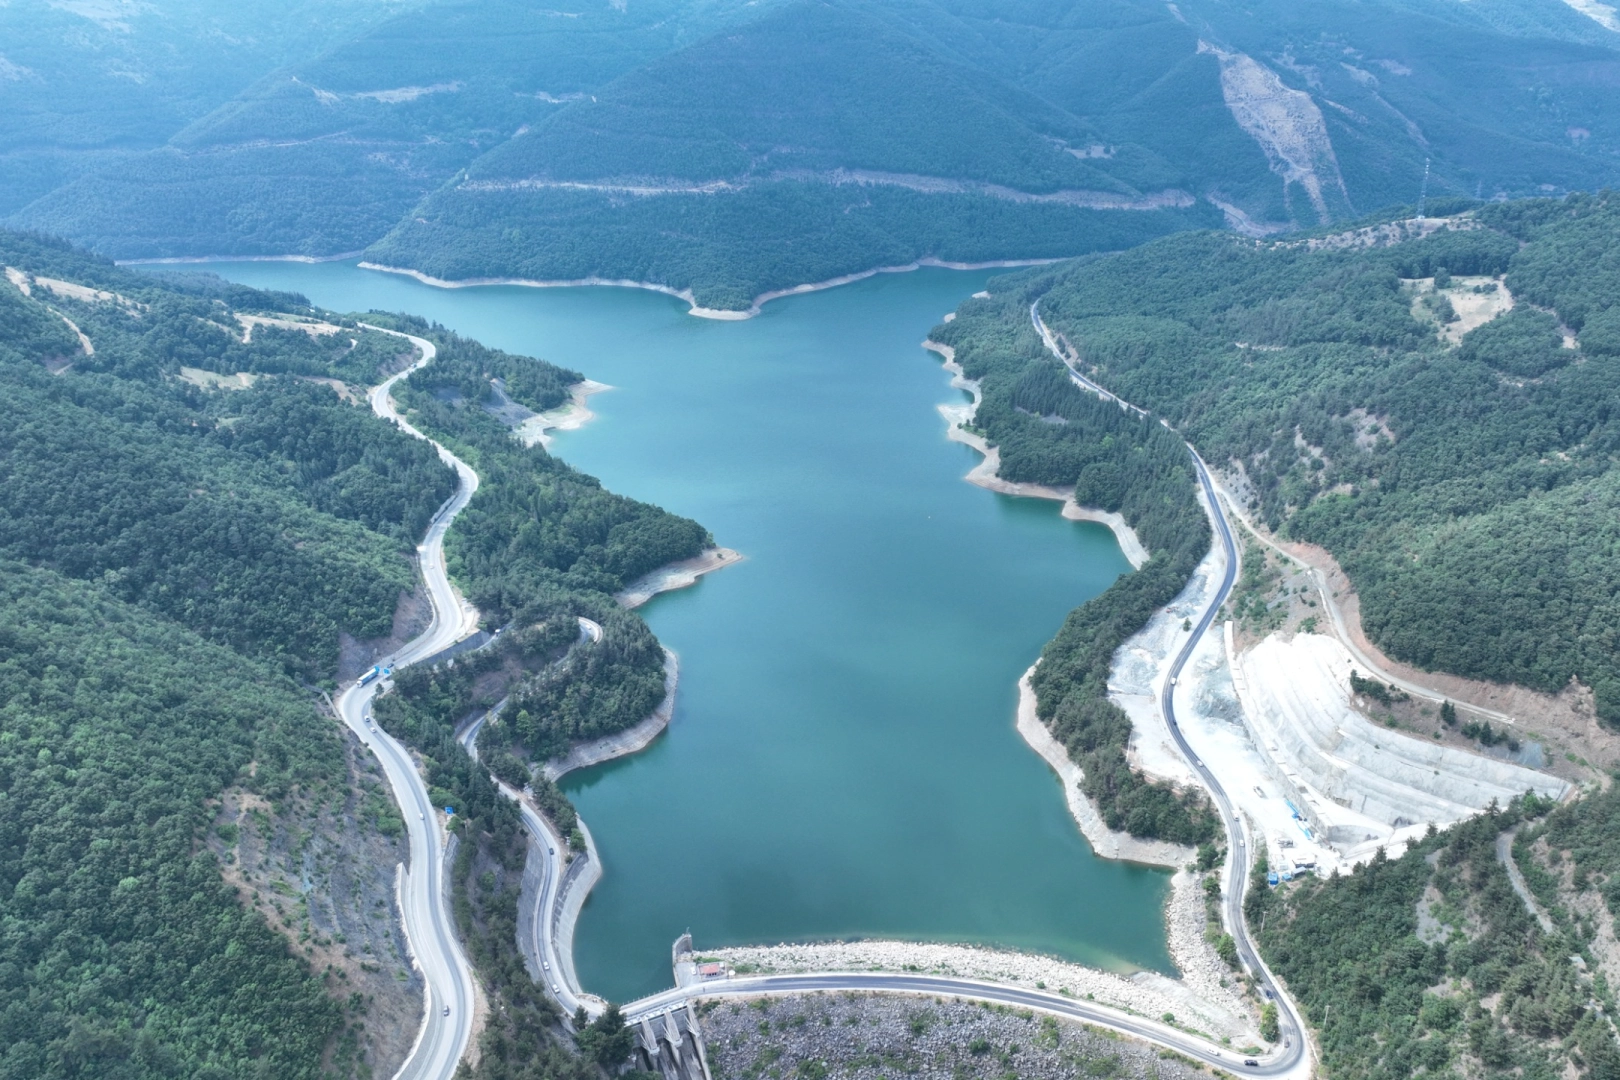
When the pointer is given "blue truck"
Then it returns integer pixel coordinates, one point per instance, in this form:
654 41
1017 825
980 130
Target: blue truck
377 672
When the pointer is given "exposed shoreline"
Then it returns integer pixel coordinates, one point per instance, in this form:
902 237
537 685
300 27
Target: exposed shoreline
1141 993
958 417
1105 842
570 900
630 739
542 427
719 314
676 575
193 260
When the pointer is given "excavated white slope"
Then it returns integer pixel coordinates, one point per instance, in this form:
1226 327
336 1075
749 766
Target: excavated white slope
1296 696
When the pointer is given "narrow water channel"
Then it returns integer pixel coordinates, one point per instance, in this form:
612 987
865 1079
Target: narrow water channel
842 762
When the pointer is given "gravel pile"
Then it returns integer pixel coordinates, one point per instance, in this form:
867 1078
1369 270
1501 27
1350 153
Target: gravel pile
867 1037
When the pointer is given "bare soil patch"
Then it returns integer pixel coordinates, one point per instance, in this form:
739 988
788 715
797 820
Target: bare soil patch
411 617
321 872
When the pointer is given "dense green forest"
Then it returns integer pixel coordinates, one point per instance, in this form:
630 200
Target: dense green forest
196 510
540 546
123 953
788 232
541 537
1049 431
174 557
736 146
1468 490
91 87
269 519
1429 964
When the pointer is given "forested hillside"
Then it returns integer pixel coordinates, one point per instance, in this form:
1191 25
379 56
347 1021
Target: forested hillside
326 154
270 519
196 505
738 148
1465 480
171 563
89 86
1459 466
1431 965
123 952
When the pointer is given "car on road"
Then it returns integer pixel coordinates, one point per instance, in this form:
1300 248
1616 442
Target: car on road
545 965
447 1010
1251 1063
555 989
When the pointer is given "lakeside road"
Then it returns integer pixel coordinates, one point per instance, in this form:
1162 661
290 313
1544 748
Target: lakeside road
551 943
1294 1037
436 952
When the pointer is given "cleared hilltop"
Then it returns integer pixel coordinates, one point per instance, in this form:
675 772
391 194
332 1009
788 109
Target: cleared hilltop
735 149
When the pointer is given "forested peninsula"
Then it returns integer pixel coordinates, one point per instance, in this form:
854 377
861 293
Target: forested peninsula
1436 402
201 522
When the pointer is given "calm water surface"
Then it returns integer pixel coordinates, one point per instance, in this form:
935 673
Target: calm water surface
842 762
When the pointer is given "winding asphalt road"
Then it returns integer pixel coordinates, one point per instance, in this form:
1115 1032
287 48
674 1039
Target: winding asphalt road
423 893
556 983
556 975
1237 874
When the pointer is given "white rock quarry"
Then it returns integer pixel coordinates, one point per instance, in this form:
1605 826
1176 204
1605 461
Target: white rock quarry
1319 783
1354 783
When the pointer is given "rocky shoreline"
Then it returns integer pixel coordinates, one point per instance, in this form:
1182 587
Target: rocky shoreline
677 575
1143 993
958 419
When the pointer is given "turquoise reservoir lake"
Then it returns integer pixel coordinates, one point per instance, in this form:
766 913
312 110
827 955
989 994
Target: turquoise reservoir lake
842 762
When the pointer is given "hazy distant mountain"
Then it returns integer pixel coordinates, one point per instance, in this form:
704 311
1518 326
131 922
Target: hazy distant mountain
735 147
88 83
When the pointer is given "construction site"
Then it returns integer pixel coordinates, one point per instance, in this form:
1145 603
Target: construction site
1327 758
